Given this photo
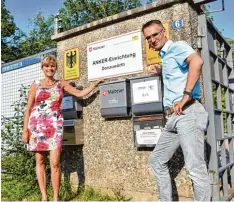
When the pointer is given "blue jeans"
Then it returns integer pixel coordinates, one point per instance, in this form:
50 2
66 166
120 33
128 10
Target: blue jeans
187 131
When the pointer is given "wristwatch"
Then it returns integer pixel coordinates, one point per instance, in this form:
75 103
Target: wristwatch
187 93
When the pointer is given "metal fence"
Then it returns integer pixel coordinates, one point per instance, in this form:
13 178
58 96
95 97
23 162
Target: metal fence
219 102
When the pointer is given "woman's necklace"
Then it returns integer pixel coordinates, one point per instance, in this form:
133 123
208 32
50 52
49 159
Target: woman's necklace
49 84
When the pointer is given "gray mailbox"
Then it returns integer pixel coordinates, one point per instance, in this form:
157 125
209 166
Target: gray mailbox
147 129
71 107
146 93
115 99
73 123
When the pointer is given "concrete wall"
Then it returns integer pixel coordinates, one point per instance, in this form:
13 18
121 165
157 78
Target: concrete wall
109 159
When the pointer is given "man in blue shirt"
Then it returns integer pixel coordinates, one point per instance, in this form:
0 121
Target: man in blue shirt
186 117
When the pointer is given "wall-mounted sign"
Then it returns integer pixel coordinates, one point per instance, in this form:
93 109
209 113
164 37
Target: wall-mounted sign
71 64
177 24
152 56
115 56
147 129
21 64
148 137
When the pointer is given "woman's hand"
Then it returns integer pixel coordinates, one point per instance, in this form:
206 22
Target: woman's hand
81 93
25 137
97 82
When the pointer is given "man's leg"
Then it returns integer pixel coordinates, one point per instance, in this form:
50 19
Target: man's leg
190 128
163 151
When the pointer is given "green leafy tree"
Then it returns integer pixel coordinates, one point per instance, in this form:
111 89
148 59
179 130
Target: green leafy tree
205 8
39 38
8 26
15 44
11 35
79 12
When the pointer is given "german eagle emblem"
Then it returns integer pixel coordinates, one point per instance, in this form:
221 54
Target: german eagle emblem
71 59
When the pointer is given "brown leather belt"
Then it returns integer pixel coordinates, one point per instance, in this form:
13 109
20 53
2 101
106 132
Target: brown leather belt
170 110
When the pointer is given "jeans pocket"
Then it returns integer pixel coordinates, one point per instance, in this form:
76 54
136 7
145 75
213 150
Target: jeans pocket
201 117
170 123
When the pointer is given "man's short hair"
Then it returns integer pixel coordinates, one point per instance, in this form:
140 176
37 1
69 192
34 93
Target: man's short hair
151 22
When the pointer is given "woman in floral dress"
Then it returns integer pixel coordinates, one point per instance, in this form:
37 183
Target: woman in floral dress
43 122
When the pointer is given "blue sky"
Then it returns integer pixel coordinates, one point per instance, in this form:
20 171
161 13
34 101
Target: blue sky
22 10
224 19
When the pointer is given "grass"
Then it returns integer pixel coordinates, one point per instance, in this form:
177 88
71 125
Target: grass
13 191
90 194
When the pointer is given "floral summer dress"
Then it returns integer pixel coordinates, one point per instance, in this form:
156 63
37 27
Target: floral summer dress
45 125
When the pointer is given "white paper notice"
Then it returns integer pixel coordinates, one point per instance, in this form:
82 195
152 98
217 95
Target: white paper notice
148 136
146 91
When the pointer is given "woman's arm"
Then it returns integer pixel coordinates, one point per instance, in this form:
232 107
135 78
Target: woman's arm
80 93
31 98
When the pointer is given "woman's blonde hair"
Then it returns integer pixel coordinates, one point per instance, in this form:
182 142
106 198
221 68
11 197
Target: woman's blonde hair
49 60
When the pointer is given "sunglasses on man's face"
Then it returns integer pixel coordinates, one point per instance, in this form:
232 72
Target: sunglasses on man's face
157 34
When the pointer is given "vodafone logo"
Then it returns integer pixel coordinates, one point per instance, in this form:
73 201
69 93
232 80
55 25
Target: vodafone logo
104 93
90 49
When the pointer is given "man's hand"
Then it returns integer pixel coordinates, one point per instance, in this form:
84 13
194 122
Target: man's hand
153 69
25 137
178 106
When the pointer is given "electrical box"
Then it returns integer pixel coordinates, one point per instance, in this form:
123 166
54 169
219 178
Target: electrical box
115 99
146 95
147 130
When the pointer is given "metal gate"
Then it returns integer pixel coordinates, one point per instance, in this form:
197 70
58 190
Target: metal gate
219 102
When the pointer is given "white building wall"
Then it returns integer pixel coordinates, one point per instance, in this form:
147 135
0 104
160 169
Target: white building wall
17 73
11 83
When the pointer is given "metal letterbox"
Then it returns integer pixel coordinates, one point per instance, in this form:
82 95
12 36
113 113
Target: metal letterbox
146 95
147 129
73 123
115 99
73 132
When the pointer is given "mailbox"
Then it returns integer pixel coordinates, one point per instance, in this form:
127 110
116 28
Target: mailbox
73 123
71 107
147 129
115 99
146 95
73 132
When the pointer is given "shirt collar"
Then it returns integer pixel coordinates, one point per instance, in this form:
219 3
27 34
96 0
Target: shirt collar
165 48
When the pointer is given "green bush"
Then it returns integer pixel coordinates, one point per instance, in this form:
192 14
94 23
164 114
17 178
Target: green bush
18 164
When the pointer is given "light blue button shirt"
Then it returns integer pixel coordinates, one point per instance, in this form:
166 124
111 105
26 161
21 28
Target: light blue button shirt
175 71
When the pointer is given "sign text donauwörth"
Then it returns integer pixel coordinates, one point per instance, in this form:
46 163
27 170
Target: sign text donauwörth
116 56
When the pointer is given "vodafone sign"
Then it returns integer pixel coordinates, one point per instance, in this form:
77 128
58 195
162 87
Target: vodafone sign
115 56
